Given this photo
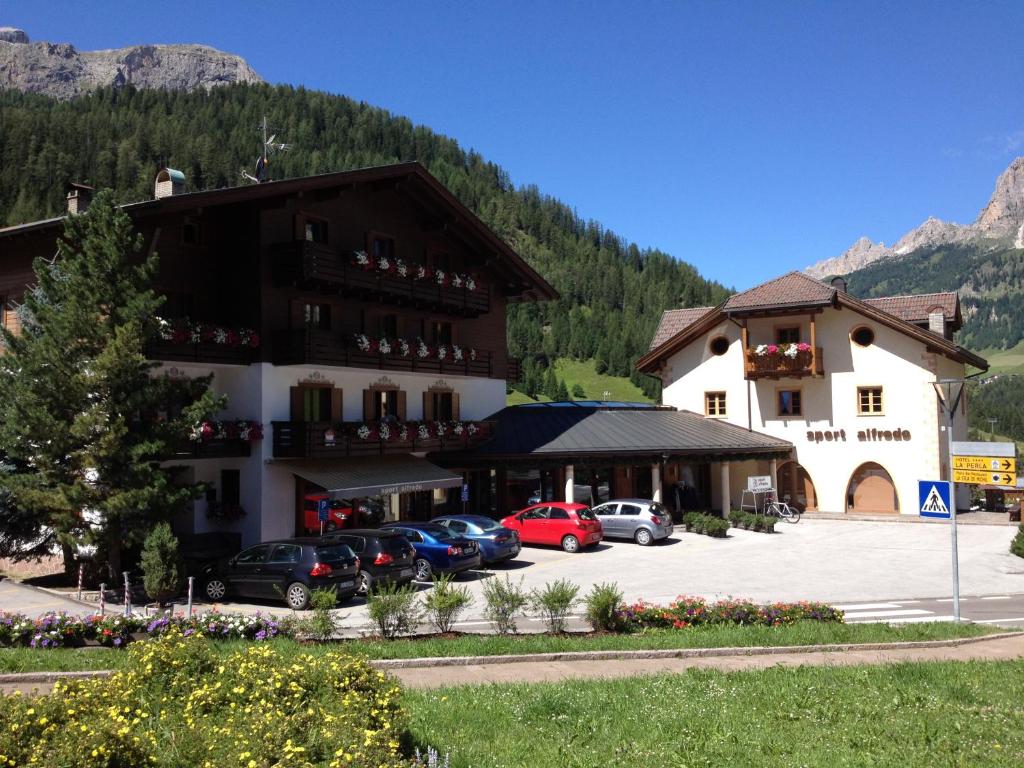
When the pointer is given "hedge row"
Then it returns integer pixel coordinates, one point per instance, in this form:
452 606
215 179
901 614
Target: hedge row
752 522
708 525
695 611
58 630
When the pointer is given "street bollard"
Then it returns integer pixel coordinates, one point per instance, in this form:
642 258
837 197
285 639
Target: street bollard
127 595
103 599
81 572
191 579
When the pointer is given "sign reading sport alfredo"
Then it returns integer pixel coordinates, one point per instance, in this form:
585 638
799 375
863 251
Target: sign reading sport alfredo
864 435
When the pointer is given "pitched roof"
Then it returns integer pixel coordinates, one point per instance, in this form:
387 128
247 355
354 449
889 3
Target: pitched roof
574 429
791 290
675 320
412 176
917 307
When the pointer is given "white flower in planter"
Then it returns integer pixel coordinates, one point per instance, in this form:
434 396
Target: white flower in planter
385 432
471 283
440 277
422 350
362 259
442 352
363 342
472 353
421 272
403 270
383 264
761 350
791 351
363 432
423 432
457 428
456 280
403 433
441 428
472 428
220 336
456 352
384 346
403 347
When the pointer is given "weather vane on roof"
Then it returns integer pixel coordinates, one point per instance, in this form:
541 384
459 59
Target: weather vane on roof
263 162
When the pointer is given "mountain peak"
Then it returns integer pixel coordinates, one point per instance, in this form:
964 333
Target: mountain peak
61 71
1004 213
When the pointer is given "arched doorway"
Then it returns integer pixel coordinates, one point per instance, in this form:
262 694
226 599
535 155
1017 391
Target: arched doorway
871 490
796 487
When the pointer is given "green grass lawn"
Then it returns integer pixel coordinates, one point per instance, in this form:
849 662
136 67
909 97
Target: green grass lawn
1005 360
802 633
596 384
907 715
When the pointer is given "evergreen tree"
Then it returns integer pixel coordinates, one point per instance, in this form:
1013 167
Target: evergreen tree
563 392
161 573
550 384
79 402
577 392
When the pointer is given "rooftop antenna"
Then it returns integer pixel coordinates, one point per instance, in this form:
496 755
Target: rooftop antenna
263 162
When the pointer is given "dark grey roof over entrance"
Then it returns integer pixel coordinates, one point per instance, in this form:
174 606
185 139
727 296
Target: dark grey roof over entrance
622 430
372 476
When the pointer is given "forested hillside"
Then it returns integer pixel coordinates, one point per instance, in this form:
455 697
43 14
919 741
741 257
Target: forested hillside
999 399
990 281
613 292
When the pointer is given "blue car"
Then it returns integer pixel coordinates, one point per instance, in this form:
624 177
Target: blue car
438 550
496 542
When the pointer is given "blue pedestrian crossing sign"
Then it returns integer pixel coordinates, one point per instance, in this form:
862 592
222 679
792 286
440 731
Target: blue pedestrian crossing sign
935 498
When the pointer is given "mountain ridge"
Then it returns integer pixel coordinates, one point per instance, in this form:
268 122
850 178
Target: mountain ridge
61 71
999 224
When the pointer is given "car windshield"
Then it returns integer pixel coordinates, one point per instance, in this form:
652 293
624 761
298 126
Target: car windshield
334 553
486 524
586 514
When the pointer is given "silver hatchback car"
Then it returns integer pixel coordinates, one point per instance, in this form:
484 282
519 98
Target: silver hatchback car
642 520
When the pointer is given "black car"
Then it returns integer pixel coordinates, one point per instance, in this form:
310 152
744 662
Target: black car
287 568
386 557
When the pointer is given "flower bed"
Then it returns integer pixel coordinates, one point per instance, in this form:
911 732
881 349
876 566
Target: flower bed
188 332
403 431
409 348
58 630
782 350
695 611
395 267
178 702
708 525
752 522
242 429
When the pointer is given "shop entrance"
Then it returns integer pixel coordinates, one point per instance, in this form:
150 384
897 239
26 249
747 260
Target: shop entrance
871 490
796 487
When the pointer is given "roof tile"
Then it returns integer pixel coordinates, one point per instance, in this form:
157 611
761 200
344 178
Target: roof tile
916 308
675 320
793 288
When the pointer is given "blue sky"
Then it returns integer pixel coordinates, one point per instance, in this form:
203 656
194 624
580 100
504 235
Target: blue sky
747 138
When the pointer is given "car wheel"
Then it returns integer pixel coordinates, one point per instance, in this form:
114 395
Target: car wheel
643 537
571 544
423 570
364 582
216 589
297 596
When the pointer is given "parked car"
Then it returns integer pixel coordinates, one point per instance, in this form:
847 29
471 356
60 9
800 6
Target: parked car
571 526
287 567
642 520
386 557
497 543
339 514
438 550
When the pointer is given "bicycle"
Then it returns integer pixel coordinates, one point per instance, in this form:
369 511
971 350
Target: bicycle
781 510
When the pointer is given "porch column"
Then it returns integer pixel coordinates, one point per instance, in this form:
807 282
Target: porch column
656 482
726 500
395 507
773 470
570 481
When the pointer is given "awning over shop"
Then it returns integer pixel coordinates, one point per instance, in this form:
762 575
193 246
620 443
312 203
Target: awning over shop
372 476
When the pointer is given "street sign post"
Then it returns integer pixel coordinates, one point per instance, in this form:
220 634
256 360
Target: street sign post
322 513
935 499
950 392
986 464
980 477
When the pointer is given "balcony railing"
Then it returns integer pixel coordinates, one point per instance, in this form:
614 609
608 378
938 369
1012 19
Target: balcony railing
227 448
318 265
313 347
781 366
320 439
197 342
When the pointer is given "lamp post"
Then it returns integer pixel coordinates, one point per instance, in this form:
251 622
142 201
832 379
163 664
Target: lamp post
950 392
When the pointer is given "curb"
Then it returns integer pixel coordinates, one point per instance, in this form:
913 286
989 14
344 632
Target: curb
679 653
669 653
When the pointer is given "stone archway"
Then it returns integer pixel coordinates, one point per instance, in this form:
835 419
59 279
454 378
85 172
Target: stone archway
796 487
871 490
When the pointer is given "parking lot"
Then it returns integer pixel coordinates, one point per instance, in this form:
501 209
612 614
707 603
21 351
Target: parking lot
837 561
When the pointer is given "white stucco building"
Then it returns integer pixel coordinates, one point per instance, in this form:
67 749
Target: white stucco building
847 381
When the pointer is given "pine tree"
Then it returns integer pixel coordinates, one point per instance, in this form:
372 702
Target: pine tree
161 575
550 384
563 392
79 400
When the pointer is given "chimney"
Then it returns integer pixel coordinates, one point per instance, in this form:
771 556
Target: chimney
79 197
937 322
839 283
169 182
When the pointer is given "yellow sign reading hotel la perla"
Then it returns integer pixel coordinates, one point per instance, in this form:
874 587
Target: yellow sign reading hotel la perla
979 477
986 463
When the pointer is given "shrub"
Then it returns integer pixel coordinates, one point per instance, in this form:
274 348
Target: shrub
321 625
602 607
1017 545
695 611
178 703
708 525
554 602
393 609
161 574
446 603
504 600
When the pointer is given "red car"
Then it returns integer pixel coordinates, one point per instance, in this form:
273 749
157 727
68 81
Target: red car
338 515
570 526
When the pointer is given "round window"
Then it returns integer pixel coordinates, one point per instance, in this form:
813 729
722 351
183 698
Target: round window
719 345
863 336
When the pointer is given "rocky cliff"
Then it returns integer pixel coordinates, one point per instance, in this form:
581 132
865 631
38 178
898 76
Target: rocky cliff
61 71
1000 223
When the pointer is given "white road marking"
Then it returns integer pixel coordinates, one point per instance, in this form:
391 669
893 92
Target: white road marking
903 620
878 614
998 597
997 621
865 606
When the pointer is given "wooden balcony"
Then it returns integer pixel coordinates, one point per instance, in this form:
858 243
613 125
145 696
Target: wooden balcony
313 347
322 440
780 366
514 370
201 352
228 448
315 265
